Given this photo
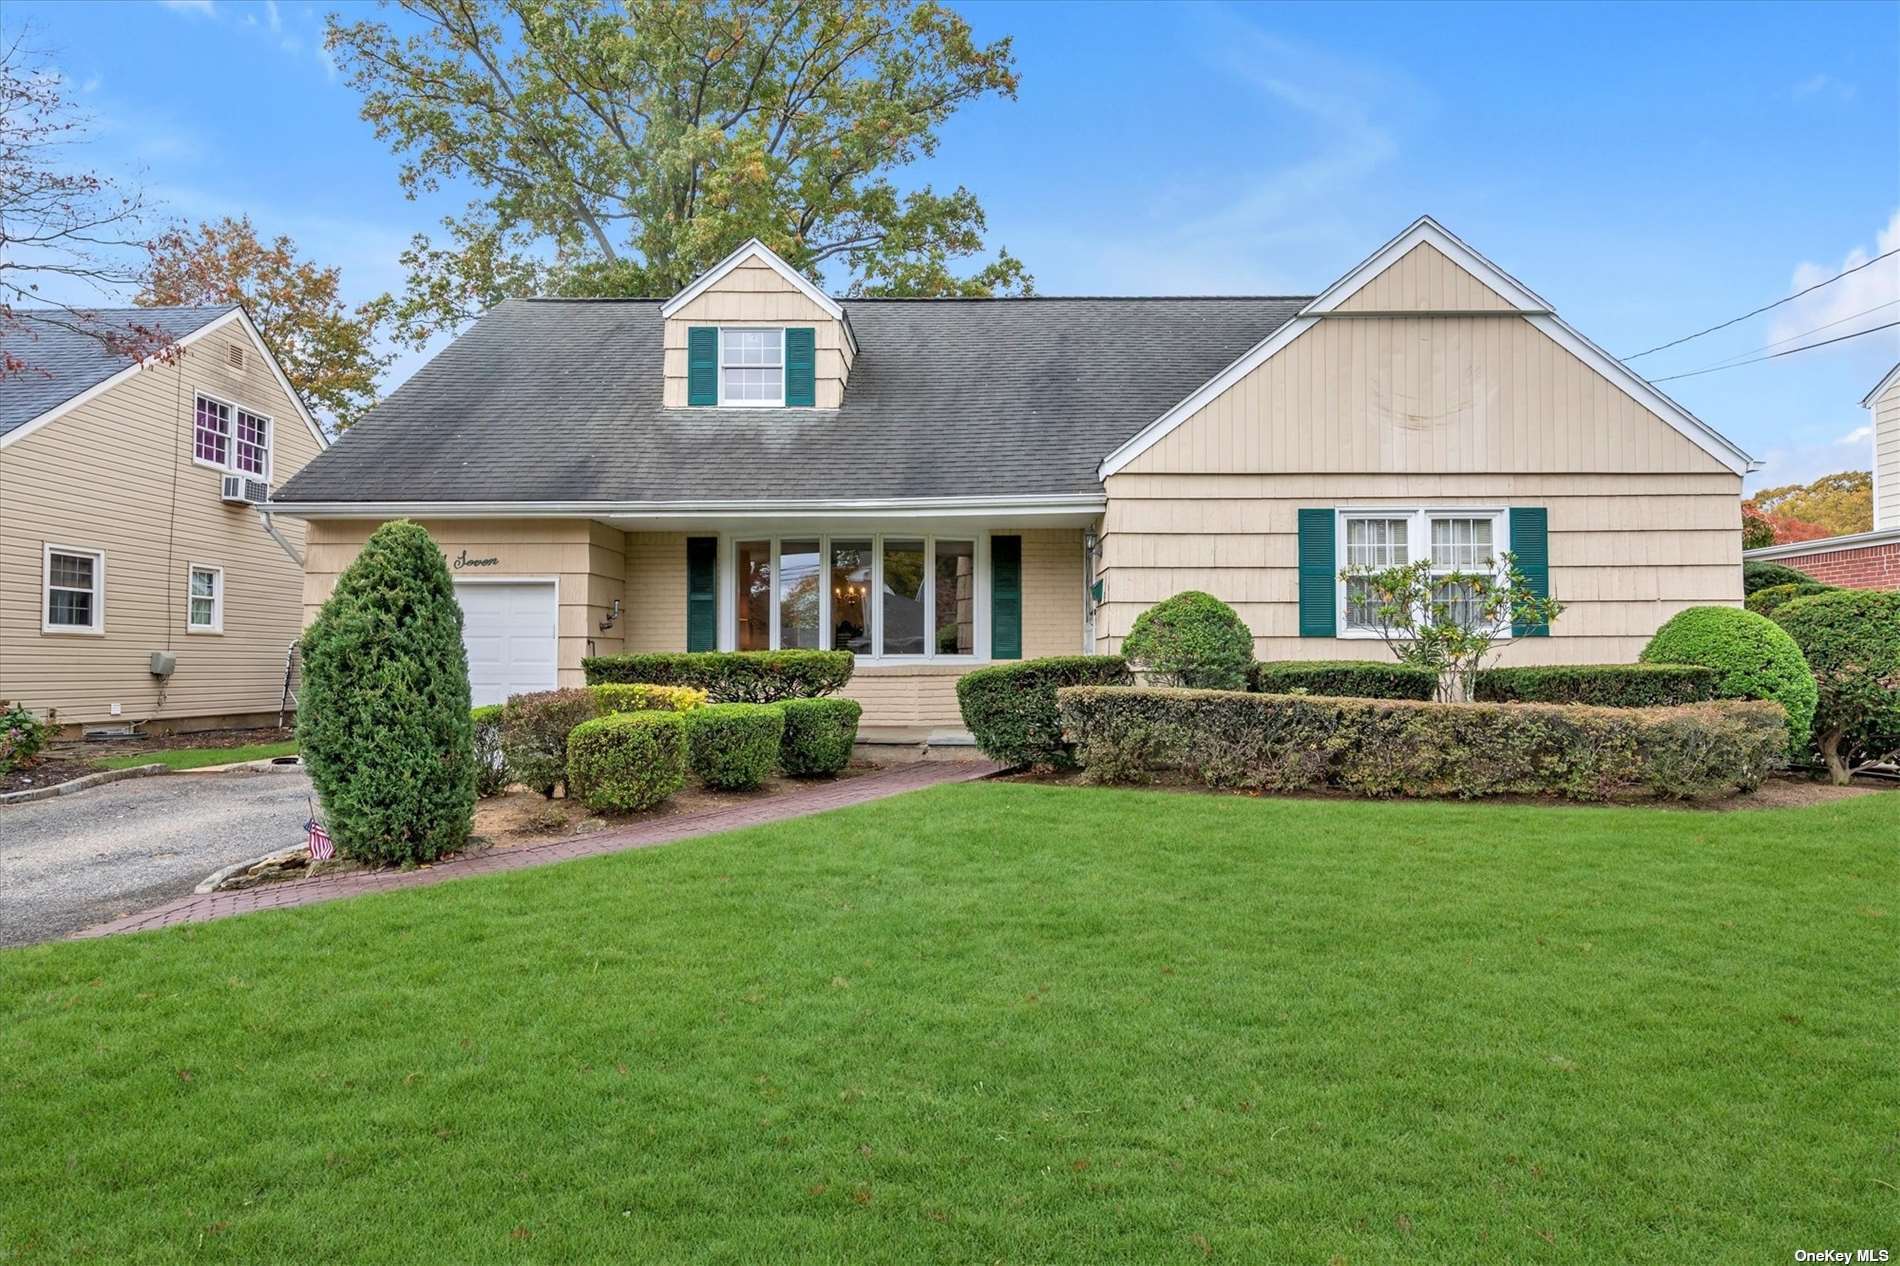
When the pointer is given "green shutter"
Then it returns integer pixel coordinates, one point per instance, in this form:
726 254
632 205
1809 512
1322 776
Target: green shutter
702 364
1006 597
1530 545
801 367
702 593
1319 574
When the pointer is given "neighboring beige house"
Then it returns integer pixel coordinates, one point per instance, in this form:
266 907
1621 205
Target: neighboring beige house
138 581
1864 560
940 484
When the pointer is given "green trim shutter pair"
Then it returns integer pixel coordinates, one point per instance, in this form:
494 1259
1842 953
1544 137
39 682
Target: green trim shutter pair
1319 567
1006 595
801 366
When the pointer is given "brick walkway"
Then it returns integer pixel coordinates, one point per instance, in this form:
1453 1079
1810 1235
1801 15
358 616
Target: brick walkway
891 781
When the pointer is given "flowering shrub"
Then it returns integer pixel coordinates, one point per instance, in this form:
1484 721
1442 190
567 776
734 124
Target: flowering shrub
22 735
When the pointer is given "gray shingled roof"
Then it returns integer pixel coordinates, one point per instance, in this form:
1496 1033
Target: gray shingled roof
560 400
61 361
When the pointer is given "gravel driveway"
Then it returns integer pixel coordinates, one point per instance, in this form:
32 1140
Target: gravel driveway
74 861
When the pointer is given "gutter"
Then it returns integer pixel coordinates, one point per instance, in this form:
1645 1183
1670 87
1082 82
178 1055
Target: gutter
1825 545
906 507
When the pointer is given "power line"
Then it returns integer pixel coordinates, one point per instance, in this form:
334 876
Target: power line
1796 338
1765 307
1805 347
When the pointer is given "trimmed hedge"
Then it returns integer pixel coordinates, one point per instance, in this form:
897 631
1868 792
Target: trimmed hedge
818 735
1010 709
534 733
730 676
1851 640
1600 685
1764 601
383 715
1192 639
627 761
1402 747
1758 576
1342 678
491 773
1754 658
734 746
640 697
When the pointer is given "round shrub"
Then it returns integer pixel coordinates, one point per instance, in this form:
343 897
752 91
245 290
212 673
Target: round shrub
644 697
1757 576
1192 639
1764 601
1851 639
22 735
818 735
627 761
1010 709
491 775
534 731
733 746
1755 658
383 718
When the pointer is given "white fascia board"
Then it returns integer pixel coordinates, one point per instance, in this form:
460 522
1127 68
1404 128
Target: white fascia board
1527 304
1824 545
753 249
1880 388
909 507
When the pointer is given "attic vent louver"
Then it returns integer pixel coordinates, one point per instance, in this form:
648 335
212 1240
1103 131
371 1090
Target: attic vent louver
234 356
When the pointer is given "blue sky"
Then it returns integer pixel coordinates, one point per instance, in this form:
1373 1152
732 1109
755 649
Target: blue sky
1649 169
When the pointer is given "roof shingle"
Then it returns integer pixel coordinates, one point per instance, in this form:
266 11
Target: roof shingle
63 361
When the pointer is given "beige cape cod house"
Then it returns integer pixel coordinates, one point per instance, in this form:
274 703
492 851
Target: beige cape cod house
138 580
940 484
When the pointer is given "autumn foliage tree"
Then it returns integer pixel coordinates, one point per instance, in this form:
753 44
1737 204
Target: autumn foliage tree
328 350
1833 505
621 148
66 234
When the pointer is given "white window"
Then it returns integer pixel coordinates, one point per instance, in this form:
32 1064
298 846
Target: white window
75 590
900 596
230 438
204 599
1453 540
752 367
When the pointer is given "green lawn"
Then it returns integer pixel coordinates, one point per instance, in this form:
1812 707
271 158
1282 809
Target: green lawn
1002 1022
199 757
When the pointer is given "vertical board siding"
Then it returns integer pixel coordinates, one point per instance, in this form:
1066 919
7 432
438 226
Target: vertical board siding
1424 280
115 474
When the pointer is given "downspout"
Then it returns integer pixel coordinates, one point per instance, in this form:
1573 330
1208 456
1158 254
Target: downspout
275 535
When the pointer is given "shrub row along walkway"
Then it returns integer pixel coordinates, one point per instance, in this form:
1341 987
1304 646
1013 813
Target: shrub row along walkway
896 780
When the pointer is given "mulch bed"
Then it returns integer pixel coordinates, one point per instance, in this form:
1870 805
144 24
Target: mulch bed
45 771
66 759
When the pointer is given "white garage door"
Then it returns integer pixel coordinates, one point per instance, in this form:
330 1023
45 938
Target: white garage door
509 630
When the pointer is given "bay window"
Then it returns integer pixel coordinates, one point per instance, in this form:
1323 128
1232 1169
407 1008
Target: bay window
1452 540
906 596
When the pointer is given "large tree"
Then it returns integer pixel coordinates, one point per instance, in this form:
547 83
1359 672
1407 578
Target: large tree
623 146
68 236
1833 505
327 350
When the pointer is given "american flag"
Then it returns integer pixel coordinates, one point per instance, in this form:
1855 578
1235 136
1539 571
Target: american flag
321 850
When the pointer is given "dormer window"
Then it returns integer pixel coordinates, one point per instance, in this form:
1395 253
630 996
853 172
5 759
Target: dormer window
751 367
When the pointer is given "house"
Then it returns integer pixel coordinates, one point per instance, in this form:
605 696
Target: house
138 580
1863 560
939 484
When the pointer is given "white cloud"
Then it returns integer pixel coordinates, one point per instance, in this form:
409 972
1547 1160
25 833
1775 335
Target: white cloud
1838 309
326 61
1859 435
272 16
1816 85
196 8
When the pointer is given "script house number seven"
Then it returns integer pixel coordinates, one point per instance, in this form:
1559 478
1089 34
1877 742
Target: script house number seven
465 561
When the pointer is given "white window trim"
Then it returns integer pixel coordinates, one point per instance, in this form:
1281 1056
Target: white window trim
217 598
1417 535
98 626
229 465
729 589
751 404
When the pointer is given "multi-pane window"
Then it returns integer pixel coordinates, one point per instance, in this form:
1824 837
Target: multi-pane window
211 432
752 366
1451 541
1378 544
252 451
895 596
75 584
204 600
